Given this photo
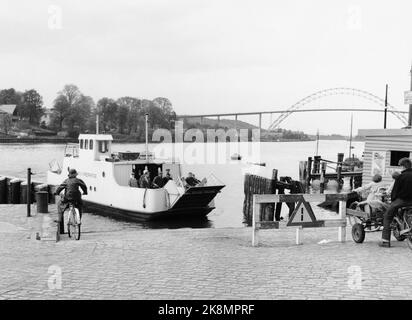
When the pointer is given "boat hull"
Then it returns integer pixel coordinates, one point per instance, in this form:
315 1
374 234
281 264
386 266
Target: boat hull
140 216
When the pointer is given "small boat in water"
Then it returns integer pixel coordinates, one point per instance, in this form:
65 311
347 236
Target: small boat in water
107 177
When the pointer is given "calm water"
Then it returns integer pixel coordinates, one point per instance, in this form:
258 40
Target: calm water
284 156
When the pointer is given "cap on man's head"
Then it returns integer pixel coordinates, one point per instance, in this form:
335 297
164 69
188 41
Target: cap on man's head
405 162
145 171
377 178
72 172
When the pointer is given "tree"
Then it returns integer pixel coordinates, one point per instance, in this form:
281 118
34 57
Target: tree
122 115
5 123
167 111
66 105
11 96
135 113
31 106
61 111
108 109
80 112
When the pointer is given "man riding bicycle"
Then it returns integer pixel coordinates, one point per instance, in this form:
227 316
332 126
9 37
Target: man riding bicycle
401 196
72 193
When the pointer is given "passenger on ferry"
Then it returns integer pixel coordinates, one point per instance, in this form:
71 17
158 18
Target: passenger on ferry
167 177
191 180
158 181
133 181
145 179
138 175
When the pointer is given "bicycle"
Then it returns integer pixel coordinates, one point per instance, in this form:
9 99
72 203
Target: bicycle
73 222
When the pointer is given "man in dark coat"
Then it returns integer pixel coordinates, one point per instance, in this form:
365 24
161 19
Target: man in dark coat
72 193
144 181
158 181
401 196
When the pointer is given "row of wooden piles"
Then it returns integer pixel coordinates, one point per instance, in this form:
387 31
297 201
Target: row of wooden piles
14 191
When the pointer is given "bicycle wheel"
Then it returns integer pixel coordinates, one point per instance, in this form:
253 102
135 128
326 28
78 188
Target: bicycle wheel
73 227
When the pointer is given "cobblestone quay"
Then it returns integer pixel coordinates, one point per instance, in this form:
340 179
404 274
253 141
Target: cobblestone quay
112 261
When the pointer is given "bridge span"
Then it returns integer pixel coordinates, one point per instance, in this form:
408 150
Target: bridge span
260 113
297 107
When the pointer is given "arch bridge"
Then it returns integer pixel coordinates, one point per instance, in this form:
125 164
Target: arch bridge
298 107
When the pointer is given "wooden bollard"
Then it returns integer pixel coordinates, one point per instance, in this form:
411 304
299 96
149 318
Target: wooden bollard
322 177
14 191
3 190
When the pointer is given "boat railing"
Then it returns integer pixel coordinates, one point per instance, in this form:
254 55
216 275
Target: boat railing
71 150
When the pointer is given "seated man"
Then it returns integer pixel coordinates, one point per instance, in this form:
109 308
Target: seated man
191 181
145 179
158 181
133 181
167 177
401 196
374 192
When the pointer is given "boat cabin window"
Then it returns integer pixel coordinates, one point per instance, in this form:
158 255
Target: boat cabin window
152 167
91 144
86 144
81 143
103 147
398 155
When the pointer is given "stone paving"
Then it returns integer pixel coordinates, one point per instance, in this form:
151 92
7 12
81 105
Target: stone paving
114 261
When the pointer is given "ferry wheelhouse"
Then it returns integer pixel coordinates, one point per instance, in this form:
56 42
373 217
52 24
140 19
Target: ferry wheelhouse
107 178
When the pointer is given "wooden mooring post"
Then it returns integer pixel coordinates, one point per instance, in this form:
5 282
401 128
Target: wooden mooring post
259 185
303 199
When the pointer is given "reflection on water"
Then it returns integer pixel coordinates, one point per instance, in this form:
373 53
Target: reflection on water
284 156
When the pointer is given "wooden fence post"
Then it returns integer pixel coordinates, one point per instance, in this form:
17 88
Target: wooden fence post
299 235
256 219
342 215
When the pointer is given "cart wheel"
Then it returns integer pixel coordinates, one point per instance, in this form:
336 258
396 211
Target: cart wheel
358 233
397 235
409 241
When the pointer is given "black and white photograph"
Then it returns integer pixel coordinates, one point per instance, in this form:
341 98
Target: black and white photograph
205 155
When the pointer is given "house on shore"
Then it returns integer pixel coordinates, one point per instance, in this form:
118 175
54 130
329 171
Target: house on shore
9 109
383 150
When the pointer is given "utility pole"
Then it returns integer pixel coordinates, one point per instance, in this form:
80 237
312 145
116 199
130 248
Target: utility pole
386 108
410 106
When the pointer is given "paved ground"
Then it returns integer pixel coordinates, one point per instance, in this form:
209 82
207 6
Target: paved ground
114 261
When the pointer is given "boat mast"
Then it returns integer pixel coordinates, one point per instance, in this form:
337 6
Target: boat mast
147 135
350 139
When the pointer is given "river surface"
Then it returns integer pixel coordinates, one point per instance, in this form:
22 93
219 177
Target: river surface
284 156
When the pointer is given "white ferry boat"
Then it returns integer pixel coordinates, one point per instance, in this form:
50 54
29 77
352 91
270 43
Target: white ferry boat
107 178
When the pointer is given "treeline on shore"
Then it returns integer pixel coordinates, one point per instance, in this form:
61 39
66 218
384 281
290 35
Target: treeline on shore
74 112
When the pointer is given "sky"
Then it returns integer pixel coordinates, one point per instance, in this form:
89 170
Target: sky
214 56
